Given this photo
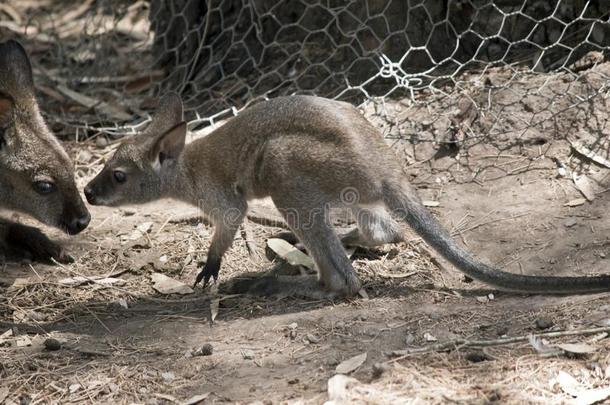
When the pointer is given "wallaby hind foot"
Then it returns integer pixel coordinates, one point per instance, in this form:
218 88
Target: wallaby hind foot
22 242
311 226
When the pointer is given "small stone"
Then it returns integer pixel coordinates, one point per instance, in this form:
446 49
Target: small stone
312 338
248 354
128 212
293 334
570 222
84 156
101 141
293 381
602 255
340 325
168 377
293 326
544 323
477 356
52 344
73 388
205 350
409 339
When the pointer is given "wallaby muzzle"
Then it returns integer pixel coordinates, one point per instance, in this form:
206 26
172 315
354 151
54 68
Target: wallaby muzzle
97 189
75 219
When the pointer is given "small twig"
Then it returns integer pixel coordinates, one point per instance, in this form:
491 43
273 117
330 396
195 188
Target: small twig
492 221
461 342
98 319
266 221
163 226
34 270
250 244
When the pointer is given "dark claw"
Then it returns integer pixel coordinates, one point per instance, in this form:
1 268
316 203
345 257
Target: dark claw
210 270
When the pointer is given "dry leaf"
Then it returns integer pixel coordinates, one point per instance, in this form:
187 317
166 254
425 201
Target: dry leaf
586 152
6 335
593 396
351 364
214 304
22 341
568 384
140 231
584 185
3 394
575 203
338 387
577 348
196 399
289 253
166 285
396 275
428 203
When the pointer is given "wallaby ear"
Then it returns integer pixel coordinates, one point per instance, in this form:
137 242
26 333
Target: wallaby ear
15 65
168 114
6 111
6 117
171 104
168 145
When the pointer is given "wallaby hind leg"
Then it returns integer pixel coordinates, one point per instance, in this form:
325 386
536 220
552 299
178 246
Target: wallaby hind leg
375 227
311 225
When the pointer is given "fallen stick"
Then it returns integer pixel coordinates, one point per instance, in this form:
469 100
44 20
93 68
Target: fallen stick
461 342
267 221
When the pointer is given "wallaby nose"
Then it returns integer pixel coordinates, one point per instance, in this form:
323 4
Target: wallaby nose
89 195
80 223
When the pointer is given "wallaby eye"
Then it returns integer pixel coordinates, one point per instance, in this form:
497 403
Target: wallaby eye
44 187
119 176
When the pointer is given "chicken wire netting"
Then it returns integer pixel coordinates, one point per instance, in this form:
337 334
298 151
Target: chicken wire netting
451 70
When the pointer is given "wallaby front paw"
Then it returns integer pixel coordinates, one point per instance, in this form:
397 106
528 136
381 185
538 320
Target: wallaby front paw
31 243
210 270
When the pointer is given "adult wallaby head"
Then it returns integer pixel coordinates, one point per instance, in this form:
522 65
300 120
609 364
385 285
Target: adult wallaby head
143 167
36 175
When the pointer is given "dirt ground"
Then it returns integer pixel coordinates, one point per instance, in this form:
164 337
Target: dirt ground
512 201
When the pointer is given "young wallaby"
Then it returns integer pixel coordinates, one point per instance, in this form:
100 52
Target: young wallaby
309 154
36 174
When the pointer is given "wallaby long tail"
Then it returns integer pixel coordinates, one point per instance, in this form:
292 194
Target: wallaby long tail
402 202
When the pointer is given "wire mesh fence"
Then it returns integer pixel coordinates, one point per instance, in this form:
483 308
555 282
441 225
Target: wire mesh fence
445 71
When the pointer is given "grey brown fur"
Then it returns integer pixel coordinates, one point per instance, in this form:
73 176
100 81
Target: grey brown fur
36 174
309 155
